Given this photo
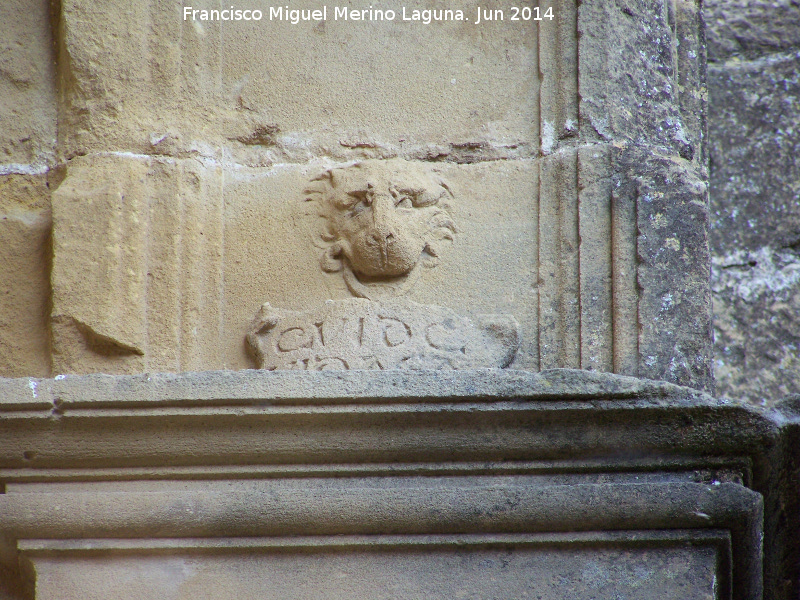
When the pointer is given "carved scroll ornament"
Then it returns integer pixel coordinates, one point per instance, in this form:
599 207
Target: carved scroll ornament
393 334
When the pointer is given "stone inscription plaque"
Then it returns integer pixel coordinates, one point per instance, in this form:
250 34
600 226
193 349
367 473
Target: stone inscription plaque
394 334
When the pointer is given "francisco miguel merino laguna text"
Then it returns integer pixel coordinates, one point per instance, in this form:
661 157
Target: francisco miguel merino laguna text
346 13
339 13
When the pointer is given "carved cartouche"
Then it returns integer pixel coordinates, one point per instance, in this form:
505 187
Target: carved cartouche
383 220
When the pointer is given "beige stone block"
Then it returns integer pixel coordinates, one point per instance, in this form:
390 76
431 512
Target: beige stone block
27 87
98 276
24 276
149 80
274 249
137 266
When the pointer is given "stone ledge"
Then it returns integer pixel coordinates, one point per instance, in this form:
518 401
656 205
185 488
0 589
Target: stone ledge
274 424
255 387
222 420
379 506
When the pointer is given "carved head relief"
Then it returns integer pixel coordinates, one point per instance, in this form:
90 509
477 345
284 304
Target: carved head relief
383 220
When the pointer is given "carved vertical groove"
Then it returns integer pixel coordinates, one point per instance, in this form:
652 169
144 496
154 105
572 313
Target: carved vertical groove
588 296
165 71
558 222
570 282
221 300
559 309
550 338
191 268
164 270
201 268
595 226
536 334
625 292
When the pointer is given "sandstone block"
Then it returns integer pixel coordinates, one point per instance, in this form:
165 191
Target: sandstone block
137 271
25 225
27 88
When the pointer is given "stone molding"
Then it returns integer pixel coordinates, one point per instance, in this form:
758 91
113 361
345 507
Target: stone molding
406 516
201 462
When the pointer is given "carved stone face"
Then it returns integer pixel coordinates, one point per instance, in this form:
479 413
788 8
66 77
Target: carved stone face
382 218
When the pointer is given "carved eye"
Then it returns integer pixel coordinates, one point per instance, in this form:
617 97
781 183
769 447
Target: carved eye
356 200
405 198
426 198
404 201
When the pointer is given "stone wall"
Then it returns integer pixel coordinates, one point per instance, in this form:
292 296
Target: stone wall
27 152
495 235
754 133
171 172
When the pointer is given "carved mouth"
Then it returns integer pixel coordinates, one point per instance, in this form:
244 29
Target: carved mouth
385 256
381 286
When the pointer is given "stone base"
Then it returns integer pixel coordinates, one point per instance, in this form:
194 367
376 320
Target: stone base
472 484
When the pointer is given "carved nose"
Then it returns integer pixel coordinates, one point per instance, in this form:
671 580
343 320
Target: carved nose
382 237
382 219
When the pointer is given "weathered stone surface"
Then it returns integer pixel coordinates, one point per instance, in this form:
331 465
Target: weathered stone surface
98 270
393 334
755 142
27 149
376 574
645 100
273 92
137 266
672 249
755 228
756 307
751 28
25 225
556 175
27 88
82 391
169 240
187 166
634 92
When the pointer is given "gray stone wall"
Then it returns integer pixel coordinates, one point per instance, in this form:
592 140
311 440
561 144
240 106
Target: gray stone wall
754 141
